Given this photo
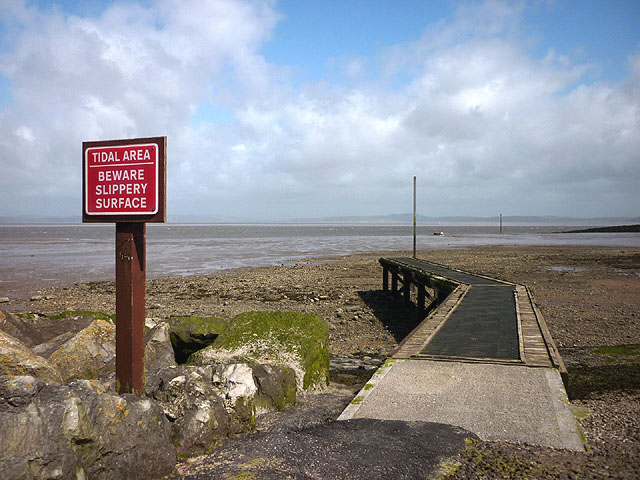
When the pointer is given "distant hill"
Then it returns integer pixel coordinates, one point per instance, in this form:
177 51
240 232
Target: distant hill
612 229
43 219
408 218
395 218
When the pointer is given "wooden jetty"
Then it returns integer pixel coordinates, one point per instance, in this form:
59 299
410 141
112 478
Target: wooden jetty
470 317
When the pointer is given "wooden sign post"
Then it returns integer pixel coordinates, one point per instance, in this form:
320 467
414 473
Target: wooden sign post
124 181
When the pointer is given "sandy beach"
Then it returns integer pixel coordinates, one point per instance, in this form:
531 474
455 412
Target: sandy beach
590 297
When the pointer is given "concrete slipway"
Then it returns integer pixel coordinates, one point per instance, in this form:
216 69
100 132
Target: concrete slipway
516 398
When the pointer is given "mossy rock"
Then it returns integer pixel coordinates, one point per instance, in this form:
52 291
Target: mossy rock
295 340
276 387
190 334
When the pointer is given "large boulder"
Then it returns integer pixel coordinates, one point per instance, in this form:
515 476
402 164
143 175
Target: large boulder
190 334
80 431
207 404
34 329
91 353
194 400
298 341
17 359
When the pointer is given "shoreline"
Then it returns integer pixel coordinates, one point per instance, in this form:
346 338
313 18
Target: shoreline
39 257
326 284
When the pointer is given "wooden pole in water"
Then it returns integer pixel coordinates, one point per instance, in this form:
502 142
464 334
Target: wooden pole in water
500 223
414 217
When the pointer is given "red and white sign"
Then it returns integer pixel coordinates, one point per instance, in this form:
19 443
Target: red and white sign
122 179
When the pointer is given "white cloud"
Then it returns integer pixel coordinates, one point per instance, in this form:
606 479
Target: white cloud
131 71
25 134
239 148
481 121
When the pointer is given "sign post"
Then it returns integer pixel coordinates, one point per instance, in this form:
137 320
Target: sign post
124 181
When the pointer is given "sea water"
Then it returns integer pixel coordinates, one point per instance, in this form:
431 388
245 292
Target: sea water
39 255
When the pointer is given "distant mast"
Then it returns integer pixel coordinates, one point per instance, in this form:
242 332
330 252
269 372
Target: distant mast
414 217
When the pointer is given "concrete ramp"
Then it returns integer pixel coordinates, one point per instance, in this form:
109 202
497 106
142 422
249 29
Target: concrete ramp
496 402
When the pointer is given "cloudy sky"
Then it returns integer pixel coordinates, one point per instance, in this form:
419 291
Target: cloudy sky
275 110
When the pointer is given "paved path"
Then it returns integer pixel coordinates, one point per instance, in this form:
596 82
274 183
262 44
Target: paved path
478 363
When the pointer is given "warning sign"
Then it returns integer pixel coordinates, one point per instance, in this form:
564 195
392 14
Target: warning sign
123 179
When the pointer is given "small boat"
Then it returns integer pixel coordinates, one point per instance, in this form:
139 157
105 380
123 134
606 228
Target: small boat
439 234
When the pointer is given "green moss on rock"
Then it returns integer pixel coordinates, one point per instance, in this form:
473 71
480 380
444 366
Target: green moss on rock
297 340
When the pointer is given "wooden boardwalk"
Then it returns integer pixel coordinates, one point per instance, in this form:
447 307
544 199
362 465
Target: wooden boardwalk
482 360
459 325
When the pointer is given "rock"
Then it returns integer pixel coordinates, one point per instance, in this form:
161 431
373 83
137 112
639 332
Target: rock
298 341
17 359
238 381
352 370
150 322
361 448
4 300
207 404
17 391
190 334
36 298
89 354
47 348
34 329
158 352
276 387
195 405
78 431
21 328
